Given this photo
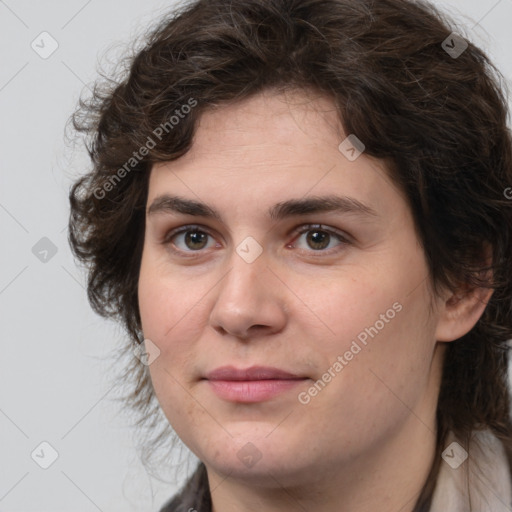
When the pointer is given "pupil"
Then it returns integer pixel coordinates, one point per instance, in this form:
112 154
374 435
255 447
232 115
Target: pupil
194 237
316 238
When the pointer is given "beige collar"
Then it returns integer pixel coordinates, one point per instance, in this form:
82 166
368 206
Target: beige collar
485 472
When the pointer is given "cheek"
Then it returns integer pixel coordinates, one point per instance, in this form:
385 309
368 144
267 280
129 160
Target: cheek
167 302
165 316
379 324
349 309
381 360
173 309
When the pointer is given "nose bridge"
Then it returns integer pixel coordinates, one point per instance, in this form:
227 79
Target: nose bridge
247 265
245 296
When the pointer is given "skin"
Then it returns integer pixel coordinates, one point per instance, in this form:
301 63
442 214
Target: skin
366 440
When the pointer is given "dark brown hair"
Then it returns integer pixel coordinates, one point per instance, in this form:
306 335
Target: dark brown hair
438 119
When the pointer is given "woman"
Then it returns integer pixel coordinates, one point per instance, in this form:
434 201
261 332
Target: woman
298 210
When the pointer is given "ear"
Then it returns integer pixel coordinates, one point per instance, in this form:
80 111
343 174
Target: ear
459 311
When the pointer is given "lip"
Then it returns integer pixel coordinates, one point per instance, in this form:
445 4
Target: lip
249 385
249 374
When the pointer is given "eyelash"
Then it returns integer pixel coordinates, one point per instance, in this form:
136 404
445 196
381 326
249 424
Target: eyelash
342 238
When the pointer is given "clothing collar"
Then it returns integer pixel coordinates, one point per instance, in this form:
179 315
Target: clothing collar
479 483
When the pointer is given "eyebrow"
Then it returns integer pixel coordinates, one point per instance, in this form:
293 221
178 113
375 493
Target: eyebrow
279 211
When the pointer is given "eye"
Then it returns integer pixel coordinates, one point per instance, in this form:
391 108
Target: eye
191 238
319 238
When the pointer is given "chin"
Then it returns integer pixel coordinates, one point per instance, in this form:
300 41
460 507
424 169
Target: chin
262 463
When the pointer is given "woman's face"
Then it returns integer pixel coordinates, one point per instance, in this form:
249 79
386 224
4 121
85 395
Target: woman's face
338 314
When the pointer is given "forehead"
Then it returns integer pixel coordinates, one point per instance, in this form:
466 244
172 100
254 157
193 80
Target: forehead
270 147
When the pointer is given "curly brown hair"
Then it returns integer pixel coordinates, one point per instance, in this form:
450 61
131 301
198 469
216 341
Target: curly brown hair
439 120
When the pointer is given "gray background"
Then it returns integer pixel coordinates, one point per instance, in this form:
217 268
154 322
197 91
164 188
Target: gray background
54 369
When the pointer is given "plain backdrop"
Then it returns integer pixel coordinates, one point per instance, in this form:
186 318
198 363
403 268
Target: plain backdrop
54 385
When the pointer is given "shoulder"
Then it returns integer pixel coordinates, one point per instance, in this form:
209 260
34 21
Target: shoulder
194 496
478 479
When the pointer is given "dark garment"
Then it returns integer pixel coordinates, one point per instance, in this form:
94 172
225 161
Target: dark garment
195 495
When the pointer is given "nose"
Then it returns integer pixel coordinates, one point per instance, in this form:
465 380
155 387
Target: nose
250 300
